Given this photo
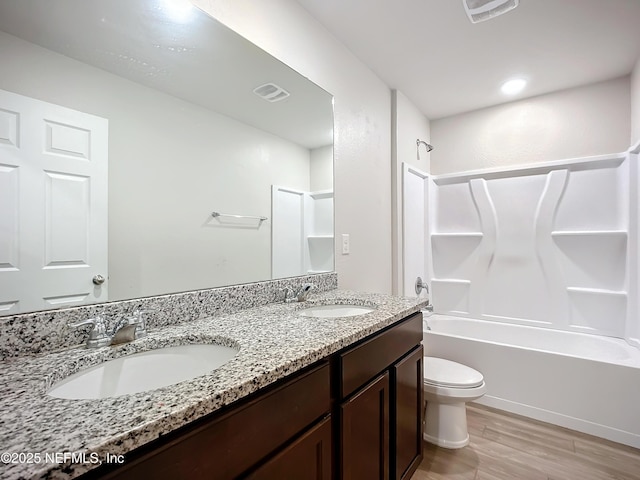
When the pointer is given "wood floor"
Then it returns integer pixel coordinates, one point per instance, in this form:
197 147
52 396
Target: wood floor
509 447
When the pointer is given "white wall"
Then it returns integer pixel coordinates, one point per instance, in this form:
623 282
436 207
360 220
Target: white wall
407 125
362 147
171 164
578 122
635 104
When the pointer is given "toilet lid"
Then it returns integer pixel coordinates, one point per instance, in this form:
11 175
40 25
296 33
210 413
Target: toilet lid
438 371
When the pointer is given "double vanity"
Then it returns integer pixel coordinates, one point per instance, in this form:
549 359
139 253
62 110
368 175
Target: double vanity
327 388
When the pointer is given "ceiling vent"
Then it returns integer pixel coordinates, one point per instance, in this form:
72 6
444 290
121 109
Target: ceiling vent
271 92
481 10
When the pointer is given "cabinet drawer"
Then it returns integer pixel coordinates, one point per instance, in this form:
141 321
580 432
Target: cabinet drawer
360 364
226 446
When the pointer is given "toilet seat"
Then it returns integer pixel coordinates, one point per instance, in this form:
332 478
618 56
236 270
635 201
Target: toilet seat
445 373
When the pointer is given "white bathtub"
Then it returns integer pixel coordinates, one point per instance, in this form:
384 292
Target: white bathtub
584 382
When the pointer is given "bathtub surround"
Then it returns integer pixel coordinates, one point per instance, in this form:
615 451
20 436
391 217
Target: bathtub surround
583 382
47 331
547 245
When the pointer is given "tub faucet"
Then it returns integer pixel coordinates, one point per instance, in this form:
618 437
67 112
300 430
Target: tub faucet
426 313
125 330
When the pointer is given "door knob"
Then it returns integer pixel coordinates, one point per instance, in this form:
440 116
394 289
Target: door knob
98 280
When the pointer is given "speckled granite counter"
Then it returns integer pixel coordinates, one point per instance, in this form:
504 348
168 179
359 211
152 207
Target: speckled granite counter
274 342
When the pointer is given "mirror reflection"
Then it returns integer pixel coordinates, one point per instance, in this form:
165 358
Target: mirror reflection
124 125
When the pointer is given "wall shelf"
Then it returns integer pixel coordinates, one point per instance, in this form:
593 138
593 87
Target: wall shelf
598 310
597 291
453 253
593 259
452 294
590 233
458 235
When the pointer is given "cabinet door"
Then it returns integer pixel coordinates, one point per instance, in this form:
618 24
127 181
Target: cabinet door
407 413
308 458
364 432
224 446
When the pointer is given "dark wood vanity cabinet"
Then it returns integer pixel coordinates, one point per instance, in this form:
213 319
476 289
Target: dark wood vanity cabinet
380 435
355 415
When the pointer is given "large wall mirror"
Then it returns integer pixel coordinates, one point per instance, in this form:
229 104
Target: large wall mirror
124 125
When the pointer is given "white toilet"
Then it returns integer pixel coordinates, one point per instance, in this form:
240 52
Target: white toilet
447 387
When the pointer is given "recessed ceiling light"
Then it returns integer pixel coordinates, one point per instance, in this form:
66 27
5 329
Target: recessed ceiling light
511 87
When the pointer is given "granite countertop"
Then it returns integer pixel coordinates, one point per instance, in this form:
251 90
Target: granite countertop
274 342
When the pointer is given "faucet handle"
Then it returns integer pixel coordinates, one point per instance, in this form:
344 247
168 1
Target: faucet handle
304 291
138 319
98 334
289 294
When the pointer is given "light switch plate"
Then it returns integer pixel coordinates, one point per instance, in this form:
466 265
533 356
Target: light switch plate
345 244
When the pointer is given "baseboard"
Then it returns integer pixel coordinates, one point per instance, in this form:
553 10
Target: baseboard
577 424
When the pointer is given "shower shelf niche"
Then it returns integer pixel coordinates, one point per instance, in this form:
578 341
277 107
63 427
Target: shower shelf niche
595 260
453 254
598 310
320 253
458 235
320 237
452 294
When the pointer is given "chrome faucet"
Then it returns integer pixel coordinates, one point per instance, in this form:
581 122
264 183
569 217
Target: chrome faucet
125 330
301 296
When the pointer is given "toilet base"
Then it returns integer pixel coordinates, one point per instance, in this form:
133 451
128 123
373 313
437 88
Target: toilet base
445 443
446 424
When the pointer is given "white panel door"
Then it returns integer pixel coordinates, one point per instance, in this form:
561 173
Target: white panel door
287 232
53 205
415 228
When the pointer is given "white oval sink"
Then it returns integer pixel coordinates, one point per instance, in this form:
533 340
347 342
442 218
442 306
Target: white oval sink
144 371
335 311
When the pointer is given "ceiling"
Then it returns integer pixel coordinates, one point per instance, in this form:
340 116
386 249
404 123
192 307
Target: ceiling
433 54
184 53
